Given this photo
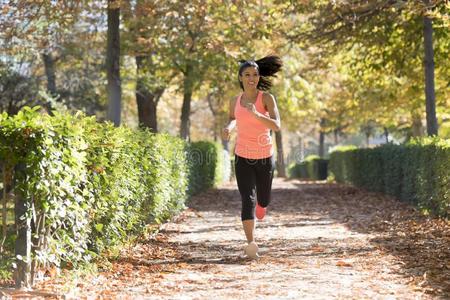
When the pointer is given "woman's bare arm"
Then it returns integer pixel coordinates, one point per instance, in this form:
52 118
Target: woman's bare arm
272 122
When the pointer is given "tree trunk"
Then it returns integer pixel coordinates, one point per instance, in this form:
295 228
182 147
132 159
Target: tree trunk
302 150
386 134
209 99
432 126
322 139
4 208
321 144
216 136
113 63
23 239
416 125
147 110
7 186
336 136
38 236
186 108
281 166
147 101
49 66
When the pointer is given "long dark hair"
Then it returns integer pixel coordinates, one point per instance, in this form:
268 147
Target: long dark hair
267 67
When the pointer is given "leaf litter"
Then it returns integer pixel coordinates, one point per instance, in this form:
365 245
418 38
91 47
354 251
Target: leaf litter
319 241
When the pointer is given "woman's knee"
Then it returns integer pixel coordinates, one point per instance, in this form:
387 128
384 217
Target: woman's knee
247 214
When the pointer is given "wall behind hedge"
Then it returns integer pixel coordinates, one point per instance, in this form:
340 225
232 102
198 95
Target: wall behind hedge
417 172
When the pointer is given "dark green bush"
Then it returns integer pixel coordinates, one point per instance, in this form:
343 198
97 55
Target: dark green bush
340 164
321 169
432 177
313 167
417 172
393 159
209 165
298 170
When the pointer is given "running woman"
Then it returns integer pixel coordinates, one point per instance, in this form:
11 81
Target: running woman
254 112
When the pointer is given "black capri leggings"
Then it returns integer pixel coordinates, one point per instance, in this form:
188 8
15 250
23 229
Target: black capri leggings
254 179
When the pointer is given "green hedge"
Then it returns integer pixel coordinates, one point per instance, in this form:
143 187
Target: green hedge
210 165
417 172
340 165
313 167
96 184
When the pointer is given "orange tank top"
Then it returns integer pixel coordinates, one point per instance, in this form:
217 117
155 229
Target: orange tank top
253 137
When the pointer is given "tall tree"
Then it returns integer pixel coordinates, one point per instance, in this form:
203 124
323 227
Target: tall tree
200 33
38 27
147 99
143 37
281 165
336 25
432 126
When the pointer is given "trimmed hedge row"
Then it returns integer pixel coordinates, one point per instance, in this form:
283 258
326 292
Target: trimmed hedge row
417 172
313 167
210 165
96 184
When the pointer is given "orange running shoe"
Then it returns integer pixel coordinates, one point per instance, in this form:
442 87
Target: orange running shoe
260 211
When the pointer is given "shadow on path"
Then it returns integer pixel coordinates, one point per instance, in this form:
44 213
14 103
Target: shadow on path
420 244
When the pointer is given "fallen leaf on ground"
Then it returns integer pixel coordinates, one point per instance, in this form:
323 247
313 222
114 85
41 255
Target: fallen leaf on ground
342 263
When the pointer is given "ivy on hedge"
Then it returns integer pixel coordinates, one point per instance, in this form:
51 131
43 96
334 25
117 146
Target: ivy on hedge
97 184
417 172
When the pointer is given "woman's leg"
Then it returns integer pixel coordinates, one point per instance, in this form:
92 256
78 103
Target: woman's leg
249 229
245 177
264 176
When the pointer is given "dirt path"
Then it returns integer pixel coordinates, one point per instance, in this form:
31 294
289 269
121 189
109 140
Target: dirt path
318 241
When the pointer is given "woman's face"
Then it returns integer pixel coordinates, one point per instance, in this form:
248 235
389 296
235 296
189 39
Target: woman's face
249 78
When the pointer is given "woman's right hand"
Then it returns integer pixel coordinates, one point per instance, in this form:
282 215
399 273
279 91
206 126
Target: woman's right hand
226 134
